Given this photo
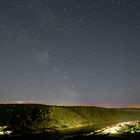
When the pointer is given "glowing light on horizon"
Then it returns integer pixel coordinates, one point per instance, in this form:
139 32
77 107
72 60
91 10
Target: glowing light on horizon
31 101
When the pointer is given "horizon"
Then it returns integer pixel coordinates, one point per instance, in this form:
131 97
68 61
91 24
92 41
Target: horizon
53 104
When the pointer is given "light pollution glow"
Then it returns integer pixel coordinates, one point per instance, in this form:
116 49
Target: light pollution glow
44 102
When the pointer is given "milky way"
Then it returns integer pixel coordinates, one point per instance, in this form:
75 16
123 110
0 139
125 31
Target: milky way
70 52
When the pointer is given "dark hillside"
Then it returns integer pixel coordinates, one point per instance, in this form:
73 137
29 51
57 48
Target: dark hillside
27 118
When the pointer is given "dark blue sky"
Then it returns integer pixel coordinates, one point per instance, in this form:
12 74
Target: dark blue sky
70 52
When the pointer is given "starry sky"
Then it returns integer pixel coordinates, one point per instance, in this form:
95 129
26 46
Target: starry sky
70 52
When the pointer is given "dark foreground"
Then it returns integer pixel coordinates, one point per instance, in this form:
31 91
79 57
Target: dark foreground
80 137
105 137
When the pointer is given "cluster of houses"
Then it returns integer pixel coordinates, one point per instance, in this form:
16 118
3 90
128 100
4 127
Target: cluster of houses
4 131
120 128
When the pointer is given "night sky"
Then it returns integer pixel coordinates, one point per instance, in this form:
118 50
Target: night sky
70 52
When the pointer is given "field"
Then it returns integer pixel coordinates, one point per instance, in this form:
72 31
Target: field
58 122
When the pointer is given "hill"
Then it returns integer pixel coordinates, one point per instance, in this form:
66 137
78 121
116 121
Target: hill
34 118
